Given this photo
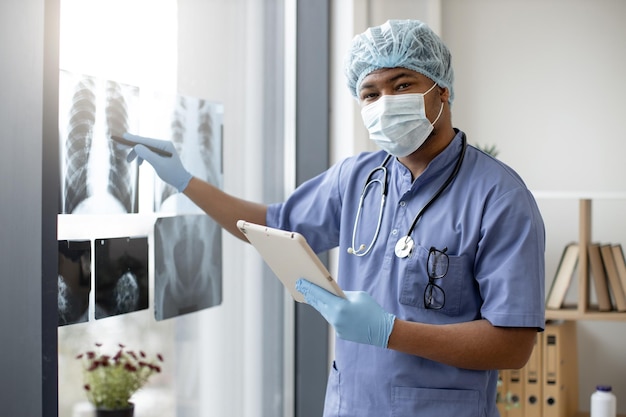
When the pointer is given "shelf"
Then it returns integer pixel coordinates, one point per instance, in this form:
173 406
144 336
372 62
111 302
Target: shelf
583 311
586 414
579 195
575 314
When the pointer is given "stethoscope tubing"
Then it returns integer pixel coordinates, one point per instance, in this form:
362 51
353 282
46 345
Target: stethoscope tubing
363 250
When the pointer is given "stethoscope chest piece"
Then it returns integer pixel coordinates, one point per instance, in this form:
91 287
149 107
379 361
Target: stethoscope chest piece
404 247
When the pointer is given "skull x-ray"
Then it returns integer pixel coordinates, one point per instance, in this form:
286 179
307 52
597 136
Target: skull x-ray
95 177
188 265
121 276
74 281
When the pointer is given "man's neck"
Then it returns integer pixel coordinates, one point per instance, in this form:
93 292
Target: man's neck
434 145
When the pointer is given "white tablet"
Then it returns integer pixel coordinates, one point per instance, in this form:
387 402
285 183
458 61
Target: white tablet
290 257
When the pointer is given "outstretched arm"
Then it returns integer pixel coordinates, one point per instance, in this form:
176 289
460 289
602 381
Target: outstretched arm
222 207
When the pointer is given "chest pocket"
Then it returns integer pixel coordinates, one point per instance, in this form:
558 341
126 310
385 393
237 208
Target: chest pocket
415 279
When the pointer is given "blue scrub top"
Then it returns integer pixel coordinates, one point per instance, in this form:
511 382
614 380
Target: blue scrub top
490 223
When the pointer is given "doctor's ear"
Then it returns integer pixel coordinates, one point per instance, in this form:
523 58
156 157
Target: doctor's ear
444 93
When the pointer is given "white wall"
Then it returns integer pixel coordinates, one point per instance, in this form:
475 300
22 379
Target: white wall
543 81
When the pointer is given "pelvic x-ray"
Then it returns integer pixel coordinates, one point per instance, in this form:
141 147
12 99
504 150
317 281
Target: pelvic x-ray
74 281
121 277
95 177
188 265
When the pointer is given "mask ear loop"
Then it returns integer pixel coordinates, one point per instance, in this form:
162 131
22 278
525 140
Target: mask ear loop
438 116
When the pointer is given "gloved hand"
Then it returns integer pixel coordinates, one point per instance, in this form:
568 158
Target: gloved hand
357 318
169 169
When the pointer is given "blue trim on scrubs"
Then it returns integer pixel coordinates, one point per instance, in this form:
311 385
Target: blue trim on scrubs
490 223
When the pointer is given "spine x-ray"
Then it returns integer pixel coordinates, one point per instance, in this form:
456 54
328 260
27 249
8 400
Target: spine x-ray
195 128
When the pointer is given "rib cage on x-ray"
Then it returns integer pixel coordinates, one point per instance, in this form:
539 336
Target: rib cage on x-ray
95 175
81 119
193 117
117 124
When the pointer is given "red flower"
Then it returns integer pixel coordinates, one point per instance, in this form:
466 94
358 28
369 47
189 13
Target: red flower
130 368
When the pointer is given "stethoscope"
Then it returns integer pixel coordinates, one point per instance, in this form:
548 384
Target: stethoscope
405 244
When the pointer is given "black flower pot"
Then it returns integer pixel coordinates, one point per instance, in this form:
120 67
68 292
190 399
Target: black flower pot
125 412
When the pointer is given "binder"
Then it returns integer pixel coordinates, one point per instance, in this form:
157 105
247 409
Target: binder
560 369
515 385
533 377
502 392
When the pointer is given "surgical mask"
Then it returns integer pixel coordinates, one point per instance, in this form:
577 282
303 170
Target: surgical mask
398 123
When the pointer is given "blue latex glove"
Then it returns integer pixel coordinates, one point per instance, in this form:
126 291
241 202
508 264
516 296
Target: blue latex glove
169 169
357 318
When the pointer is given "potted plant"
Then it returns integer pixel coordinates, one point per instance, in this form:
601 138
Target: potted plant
111 380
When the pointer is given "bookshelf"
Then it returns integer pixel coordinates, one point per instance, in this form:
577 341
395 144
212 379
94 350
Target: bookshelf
582 310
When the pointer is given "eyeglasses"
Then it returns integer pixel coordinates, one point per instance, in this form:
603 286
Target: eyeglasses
437 268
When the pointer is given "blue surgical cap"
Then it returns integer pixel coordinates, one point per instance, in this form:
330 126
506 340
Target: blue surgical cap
407 44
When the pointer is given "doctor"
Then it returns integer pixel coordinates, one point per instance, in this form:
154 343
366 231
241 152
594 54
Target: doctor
444 271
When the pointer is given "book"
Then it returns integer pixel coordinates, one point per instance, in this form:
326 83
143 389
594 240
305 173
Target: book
563 277
615 285
620 264
598 274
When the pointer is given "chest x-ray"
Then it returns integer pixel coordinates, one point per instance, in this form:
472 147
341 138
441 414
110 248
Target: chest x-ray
195 128
95 177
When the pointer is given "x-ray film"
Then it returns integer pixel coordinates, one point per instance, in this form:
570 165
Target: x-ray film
95 177
195 128
74 281
121 282
188 265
